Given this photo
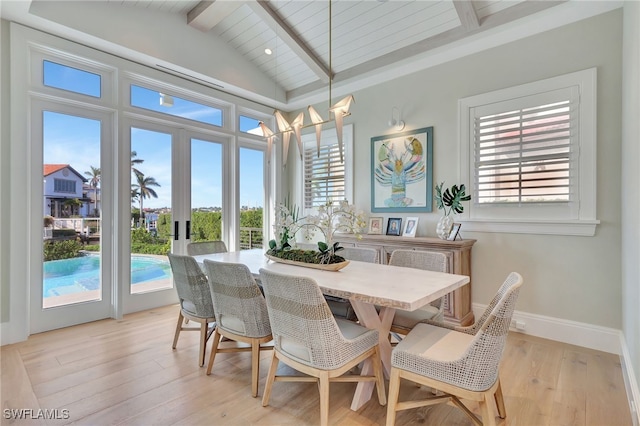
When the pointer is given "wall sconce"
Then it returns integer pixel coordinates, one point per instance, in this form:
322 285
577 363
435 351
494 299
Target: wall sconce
395 121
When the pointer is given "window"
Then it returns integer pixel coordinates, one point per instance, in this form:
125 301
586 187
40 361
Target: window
64 185
250 125
529 157
326 178
173 105
71 79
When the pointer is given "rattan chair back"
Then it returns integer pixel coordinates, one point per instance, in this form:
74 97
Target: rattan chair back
360 254
302 324
192 286
238 302
206 247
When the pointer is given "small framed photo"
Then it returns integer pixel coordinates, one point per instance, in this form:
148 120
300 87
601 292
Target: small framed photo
455 229
394 226
410 227
375 225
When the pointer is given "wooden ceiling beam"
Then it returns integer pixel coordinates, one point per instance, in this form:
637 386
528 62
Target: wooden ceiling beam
467 14
291 39
207 14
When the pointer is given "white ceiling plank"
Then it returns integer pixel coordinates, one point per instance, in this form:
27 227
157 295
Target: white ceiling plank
288 36
207 14
467 14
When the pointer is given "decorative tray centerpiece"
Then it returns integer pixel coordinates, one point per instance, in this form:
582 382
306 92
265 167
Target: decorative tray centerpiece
336 264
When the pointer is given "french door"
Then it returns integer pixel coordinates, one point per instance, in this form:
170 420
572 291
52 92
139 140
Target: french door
176 194
71 264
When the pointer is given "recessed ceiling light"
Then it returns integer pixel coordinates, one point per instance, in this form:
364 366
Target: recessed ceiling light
268 51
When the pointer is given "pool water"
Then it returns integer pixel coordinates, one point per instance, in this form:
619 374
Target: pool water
68 276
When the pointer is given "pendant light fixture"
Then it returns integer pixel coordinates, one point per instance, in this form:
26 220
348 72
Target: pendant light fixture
285 129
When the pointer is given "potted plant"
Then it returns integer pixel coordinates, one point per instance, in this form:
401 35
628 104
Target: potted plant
451 199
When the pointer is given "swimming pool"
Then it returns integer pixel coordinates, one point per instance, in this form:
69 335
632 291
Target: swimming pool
79 274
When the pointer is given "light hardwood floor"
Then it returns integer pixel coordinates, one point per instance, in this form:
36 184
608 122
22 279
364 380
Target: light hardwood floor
125 372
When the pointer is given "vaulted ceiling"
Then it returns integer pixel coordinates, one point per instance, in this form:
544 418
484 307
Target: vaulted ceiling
349 41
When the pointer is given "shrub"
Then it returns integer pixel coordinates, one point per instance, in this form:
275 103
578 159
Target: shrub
64 232
92 247
55 250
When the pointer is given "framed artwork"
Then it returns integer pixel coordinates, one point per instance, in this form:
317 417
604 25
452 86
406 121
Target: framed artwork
455 229
402 172
394 226
410 227
375 225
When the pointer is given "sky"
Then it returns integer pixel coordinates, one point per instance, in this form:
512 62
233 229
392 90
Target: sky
76 141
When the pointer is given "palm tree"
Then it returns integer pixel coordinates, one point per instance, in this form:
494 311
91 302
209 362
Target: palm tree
144 190
134 162
94 182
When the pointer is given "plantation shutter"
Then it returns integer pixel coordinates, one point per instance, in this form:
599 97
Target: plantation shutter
324 175
526 149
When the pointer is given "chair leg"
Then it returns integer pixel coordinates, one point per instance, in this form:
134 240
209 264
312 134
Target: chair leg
204 328
178 328
255 367
270 379
394 390
324 398
502 411
488 418
214 350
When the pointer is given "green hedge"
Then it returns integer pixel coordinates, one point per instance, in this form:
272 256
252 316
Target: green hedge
55 250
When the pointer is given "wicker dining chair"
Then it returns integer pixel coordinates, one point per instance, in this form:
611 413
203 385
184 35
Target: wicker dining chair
404 321
206 247
458 364
309 339
241 313
195 300
342 307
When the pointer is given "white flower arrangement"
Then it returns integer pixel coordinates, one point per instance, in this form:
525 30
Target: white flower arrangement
329 219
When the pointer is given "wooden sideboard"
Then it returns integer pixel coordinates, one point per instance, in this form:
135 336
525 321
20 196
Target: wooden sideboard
457 303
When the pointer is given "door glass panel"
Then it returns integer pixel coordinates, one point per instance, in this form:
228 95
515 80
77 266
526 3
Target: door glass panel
251 198
71 210
151 220
206 191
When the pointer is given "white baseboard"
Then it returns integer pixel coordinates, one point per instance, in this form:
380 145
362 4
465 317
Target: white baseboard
575 333
630 382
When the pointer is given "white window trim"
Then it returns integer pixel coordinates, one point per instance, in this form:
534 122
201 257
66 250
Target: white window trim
585 222
329 136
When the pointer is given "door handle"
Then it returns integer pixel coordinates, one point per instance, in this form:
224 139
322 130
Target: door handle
188 230
176 230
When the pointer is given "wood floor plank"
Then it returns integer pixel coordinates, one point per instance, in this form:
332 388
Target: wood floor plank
126 373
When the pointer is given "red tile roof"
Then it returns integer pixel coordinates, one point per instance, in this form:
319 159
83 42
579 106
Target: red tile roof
52 168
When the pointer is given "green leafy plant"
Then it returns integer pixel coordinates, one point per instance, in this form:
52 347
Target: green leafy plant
451 198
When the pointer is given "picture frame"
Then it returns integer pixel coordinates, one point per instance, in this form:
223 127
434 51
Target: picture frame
455 230
402 172
394 225
375 225
410 227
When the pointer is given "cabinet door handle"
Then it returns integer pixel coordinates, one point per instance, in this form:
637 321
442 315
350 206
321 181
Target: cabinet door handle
176 230
188 230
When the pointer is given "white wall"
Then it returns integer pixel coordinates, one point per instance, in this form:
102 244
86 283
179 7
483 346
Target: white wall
570 278
4 170
630 182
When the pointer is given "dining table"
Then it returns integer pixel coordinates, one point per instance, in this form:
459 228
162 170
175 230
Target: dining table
374 290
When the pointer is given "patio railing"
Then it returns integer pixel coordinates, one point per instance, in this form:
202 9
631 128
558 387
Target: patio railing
250 238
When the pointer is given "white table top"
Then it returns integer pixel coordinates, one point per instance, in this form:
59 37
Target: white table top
383 285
